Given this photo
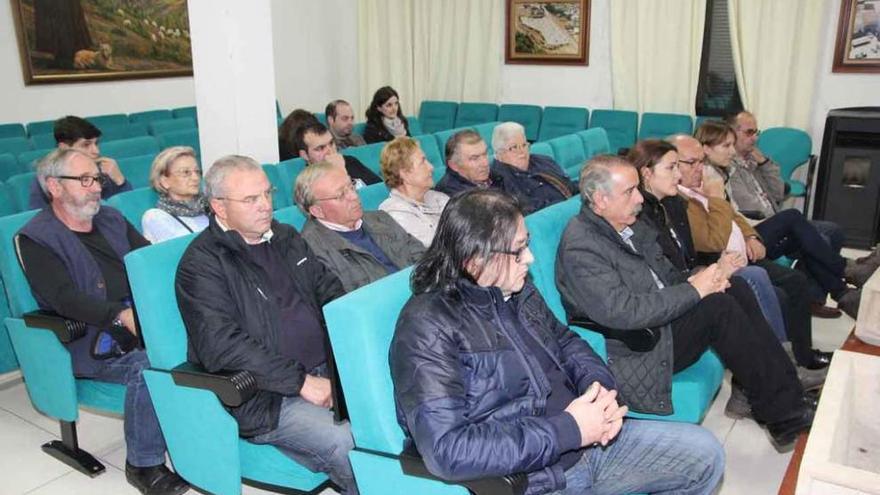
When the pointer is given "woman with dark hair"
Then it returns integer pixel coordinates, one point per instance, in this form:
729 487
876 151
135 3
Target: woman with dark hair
489 383
385 120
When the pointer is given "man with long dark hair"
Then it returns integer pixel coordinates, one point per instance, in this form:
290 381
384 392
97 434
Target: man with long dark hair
488 383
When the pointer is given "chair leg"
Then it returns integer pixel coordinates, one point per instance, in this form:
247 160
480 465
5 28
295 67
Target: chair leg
67 451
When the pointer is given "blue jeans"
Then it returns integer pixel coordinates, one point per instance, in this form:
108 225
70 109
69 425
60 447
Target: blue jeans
144 443
765 293
307 434
650 457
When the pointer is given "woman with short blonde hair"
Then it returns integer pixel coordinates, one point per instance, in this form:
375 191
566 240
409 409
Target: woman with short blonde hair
181 208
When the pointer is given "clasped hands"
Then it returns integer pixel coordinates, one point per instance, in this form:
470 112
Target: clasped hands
597 414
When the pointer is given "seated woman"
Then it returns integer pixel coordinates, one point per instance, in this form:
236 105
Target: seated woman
181 208
385 120
412 203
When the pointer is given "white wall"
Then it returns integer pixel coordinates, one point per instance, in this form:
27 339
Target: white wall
835 89
567 85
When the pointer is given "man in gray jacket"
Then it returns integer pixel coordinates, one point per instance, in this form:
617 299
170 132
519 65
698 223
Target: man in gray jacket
357 247
611 270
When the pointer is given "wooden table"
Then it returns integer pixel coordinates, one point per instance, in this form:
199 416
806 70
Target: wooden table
789 482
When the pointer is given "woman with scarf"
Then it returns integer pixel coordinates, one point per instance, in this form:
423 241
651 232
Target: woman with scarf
385 120
181 208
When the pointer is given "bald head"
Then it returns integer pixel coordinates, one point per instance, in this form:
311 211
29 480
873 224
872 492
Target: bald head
745 125
690 159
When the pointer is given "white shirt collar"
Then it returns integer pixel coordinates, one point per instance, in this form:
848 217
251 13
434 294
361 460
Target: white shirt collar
266 237
340 228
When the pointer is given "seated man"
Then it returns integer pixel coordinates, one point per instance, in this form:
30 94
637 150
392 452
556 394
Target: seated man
358 247
314 143
71 253
80 134
535 180
340 120
611 270
715 226
488 383
250 293
467 164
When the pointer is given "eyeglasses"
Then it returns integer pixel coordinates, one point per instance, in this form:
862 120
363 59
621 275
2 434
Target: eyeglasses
84 180
691 162
517 254
517 148
253 199
751 132
186 174
349 189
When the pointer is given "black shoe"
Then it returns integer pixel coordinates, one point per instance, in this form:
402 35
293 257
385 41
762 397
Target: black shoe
784 433
819 310
818 360
155 480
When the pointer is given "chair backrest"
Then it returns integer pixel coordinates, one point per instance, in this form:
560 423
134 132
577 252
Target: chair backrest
437 115
289 169
185 137
9 166
157 127
133 204
136 169
185 112
12 130
359 128
18 291
415 126
151 272
15 145
485 130
150 115
7 205
27 161
429 147
662 125
322 117
568 150
542 148
361 325
620 125
41 127
290 215
471 114
595 142
43 141
373 195
787 146
282 196
559 121
123 131
124 148
20 189
368 154
108 120
528 116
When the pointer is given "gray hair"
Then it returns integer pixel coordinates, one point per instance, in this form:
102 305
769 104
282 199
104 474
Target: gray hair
163 162
215 179
596 175
503 133
55 164
302 189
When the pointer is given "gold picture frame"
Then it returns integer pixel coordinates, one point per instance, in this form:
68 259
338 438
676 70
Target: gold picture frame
858 37
552 32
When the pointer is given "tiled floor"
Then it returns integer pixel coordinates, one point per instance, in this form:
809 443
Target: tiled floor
753 467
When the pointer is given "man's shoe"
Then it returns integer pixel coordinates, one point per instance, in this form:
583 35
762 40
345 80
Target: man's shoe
738 404
819 360
820 310
858 273
848 302
811 379
155 480
783 433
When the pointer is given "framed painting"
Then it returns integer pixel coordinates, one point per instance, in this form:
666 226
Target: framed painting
94 40
547 32
858 37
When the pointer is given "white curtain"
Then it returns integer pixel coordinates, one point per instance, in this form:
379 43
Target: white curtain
775 53
655 54
431 49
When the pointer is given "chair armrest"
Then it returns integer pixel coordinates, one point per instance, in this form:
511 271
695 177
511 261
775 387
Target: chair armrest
752 214
66 330
515 484
233 388
638 340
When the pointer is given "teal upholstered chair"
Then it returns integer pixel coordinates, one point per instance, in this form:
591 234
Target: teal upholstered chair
157 127
15 145
137 146
19 189
149 116
620 125
360 126
12 130
368 154
289 169
372 196
182 112
693 388
108 120
133 204
123 131
595 142
290 215
569 153
542 148
790 148
8 362
45 362
201 436
442 136
278 115
559 121
415 126
27 161
437 115
43 141
528 116
136 169
184 137
485 131
662 125
282 197
322 117
41 127
361 325
428 144
8 166
471 114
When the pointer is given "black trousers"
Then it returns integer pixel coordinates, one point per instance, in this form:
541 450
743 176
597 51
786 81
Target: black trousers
795 302
747 347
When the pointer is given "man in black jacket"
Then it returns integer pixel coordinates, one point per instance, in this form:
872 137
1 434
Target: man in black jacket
314 143
467 165
250 293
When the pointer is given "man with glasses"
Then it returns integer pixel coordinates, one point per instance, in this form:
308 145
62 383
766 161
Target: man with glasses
359 247
79 134
537 181
467 165
315 143
250 292
71 253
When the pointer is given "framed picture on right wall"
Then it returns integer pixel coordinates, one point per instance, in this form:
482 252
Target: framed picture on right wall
858 37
